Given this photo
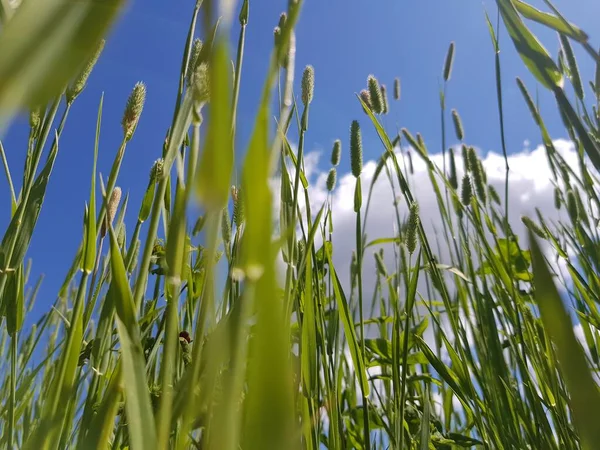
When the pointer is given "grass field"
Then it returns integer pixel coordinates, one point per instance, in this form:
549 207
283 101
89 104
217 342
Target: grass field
230 331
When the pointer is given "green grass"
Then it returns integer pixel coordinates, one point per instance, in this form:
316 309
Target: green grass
145 348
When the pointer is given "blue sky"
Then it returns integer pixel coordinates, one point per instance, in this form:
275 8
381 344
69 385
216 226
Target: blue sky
345 41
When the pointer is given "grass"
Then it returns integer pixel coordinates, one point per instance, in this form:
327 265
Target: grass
466 341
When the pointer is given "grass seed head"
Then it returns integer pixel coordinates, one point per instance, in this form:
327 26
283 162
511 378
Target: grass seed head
193 62
375 94
467 190
366 98
380 264
238 208
397 89
453 177
412 228
111 210
226 226
133 109
384 98
331 179
336 153
534 227
308 85
356 152
449 62
458 127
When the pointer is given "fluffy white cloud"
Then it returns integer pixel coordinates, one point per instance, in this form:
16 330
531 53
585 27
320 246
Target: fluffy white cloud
529 187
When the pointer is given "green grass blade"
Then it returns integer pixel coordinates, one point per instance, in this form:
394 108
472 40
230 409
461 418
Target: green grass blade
585 397
549 20
531 51
89 246
346 318
142 430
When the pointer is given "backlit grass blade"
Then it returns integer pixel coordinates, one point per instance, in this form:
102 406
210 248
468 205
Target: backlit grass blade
585 397
549 20
531 51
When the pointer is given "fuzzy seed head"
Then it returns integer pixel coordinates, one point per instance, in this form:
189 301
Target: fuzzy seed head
380 264
234 194
336 153
111 210
226 226
453 178
478 174
465 156
467 190
449 62
397 89
356 152
533 227
375 94
308 85
366 98
133 109
193 62
458 128
412 228
331 179
494 195
238 209
384 98
121 236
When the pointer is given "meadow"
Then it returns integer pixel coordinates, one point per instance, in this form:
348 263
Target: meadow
227 330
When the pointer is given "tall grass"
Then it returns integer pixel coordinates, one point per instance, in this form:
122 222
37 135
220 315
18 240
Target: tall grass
466 341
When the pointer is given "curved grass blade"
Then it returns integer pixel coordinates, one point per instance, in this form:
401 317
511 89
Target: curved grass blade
531 51
551 21
585 396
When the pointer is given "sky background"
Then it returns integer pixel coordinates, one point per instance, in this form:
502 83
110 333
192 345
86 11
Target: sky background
345 41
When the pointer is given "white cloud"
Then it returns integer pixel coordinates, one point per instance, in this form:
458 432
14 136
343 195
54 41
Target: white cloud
530 187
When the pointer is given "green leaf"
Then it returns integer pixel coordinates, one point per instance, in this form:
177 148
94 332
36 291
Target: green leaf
585 397
531 51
